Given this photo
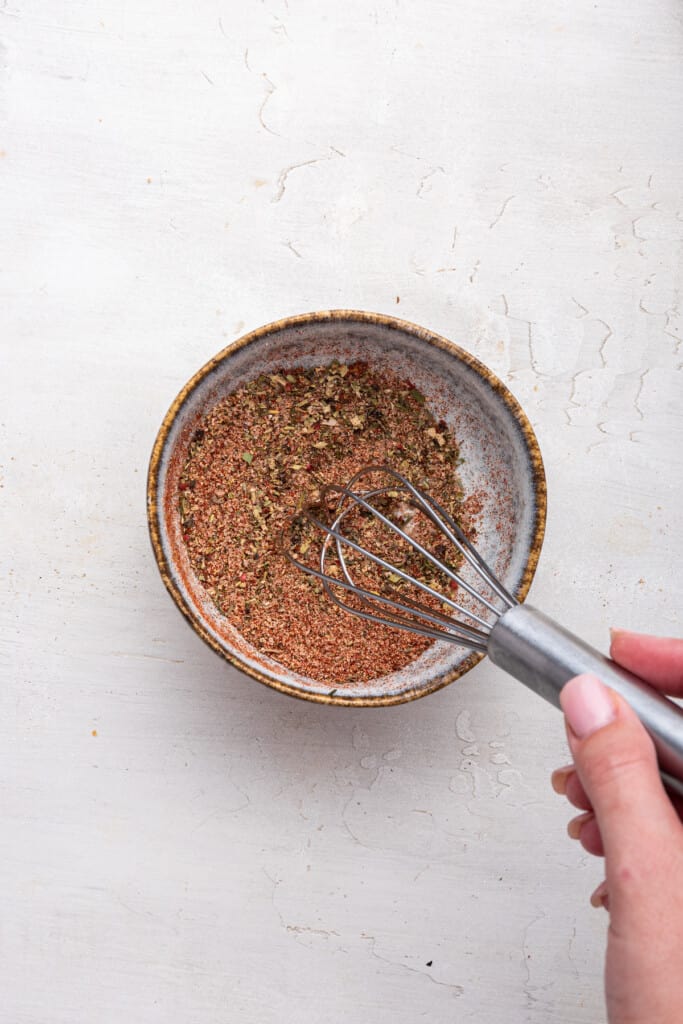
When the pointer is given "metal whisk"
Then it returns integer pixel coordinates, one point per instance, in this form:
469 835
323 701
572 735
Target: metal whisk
468 607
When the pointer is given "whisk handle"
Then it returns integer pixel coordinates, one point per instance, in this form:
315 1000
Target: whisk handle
544 656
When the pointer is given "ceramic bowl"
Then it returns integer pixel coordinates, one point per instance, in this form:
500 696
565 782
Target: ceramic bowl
502 465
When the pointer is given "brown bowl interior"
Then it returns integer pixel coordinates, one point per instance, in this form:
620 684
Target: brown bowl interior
502 464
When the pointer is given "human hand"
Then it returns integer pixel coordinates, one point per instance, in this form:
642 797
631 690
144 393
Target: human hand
630 820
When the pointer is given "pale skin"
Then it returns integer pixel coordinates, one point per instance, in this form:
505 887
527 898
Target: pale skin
629 819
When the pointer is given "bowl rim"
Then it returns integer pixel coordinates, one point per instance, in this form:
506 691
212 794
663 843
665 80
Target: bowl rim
363 317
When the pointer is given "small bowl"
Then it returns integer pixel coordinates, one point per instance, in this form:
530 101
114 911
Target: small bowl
502 465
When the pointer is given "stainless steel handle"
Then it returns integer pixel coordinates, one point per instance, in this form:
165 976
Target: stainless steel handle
544 656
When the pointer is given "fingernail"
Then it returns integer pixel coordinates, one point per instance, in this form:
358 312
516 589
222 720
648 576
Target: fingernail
576 824
588 705
559 778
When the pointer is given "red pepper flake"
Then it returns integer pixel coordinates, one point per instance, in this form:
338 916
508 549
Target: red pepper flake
243 475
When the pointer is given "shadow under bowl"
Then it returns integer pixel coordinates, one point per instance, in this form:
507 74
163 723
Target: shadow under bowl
502 466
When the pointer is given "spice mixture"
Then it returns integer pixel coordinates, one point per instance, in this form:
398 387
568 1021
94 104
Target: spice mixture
263 451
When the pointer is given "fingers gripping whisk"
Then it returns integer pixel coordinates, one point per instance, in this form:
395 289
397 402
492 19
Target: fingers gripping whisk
386 551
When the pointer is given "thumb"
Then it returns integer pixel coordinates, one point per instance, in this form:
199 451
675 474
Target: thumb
617 765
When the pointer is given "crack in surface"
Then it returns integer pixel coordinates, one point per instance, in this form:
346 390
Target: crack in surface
570 952
279 26
293 929
346 825
639 392
223 810
433 169
615 194
638 237
290 246
275 882
529 325
584 311
668 316
270 89
526 956
457 990
601 347
285 173
503 208
299 929
425 178
149 657
596 444
572 399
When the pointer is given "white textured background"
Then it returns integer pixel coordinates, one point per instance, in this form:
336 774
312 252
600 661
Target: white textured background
172 174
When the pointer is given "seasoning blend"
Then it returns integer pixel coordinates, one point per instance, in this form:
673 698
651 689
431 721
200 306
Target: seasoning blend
259 454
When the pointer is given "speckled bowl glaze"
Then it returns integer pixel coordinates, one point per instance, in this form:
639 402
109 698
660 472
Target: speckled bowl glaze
502 464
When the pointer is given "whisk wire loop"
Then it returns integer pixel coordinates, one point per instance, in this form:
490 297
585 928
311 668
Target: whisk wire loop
333 532
396 608
445 522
